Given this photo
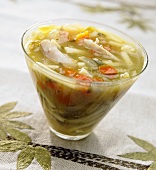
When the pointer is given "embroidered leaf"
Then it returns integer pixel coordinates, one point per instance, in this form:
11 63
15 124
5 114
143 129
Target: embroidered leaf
143 24
3 134
153 166
142 143
98 8
43 157
11 145
25 158
19 135
153 152
15 114
143 156
7 107
17 124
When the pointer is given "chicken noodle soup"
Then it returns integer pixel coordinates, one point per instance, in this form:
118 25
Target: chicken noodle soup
80 72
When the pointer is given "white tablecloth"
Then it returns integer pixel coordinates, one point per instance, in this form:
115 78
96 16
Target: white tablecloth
135 113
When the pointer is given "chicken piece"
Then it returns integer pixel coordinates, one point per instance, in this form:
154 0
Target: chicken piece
51 51
90 44
63 37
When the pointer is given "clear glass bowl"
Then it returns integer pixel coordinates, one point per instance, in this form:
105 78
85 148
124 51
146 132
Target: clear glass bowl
74 108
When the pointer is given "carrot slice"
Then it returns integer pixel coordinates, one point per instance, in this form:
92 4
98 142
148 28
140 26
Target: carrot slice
109 70
69 72
83 77
98 79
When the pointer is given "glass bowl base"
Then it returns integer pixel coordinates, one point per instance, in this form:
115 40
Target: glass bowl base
68 137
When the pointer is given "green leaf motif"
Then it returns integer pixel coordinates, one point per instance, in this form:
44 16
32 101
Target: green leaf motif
143 156
43 157
129 13
99 8
25 158
7 107
142 143
153 152
3 134
19 135
143 24
11 145
153 166
15 114
150 155
16 124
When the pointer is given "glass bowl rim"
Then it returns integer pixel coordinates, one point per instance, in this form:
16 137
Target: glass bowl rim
81 21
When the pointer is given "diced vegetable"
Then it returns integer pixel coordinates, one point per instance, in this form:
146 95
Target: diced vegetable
34 44
69 72
115 44
40 35
125 75
81 64
113 37
54 67
53 34
73 29
128 48
126 58
82 35
93 34
71 50
45 28
89 62
108 70
99 62
85 72
83 77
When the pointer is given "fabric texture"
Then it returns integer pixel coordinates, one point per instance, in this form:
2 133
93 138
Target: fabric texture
134 115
